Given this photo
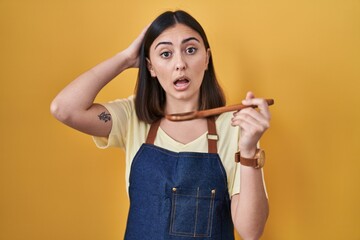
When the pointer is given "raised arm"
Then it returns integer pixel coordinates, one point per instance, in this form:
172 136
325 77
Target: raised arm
74 105
249 208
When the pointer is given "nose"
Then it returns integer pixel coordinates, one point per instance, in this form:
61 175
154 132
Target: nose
180 63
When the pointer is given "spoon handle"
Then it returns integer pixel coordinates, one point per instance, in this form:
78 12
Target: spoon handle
219 110
211 112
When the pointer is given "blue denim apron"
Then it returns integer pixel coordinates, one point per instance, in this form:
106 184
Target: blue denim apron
178 196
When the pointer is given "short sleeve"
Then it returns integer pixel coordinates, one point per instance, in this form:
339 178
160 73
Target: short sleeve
236 185
121 111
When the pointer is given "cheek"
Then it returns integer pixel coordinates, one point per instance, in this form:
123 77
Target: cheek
201 67
201 62
161 72
160 66
165 85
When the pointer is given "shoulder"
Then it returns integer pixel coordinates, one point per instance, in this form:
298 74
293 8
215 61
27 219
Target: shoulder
121 109
223 123
127 104
224 117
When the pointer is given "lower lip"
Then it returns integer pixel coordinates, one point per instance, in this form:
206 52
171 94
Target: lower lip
182 86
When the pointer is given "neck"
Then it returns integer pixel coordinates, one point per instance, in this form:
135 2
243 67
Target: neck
180 106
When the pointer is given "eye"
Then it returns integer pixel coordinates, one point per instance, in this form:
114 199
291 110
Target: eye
165 54
191 50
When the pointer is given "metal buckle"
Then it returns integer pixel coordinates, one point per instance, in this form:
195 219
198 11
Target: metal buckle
213 137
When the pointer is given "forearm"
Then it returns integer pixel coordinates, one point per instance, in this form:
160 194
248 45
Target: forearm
79 95
250 207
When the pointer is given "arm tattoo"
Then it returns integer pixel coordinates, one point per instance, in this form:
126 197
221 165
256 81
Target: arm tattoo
104 116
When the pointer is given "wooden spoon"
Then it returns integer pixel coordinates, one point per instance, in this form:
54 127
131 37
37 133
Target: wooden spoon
210 112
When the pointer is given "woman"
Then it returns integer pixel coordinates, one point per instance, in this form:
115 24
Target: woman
180 175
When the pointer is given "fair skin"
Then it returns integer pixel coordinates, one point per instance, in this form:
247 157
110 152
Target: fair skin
178 59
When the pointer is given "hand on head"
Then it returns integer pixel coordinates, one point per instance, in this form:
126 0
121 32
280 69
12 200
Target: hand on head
133 50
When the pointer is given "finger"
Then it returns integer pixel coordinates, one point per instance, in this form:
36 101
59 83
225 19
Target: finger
261 104
252 116
244 118
137 42
250 124
253 119
249 95
145 29
142 34
256 115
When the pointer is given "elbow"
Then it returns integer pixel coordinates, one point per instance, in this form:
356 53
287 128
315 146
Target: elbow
59 111
251 230
251 234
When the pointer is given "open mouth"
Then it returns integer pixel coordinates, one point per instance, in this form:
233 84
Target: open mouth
181 82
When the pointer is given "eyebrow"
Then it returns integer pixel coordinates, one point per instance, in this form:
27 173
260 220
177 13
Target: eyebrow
182 42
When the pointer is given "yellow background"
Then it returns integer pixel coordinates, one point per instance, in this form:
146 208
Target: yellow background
55 184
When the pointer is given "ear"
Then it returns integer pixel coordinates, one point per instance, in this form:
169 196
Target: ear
208 54
150 68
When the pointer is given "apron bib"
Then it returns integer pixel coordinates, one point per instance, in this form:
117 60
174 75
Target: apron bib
178 196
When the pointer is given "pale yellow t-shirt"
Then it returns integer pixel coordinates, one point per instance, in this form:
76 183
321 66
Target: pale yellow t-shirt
129 133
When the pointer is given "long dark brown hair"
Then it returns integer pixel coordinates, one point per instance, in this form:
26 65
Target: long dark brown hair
150 97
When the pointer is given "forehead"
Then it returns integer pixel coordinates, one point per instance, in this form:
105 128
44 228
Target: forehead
176 34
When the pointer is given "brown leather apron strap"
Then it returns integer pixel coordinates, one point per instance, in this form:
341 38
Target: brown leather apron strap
211 136
152 132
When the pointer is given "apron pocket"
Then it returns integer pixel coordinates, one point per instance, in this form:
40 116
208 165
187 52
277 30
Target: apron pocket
192 212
